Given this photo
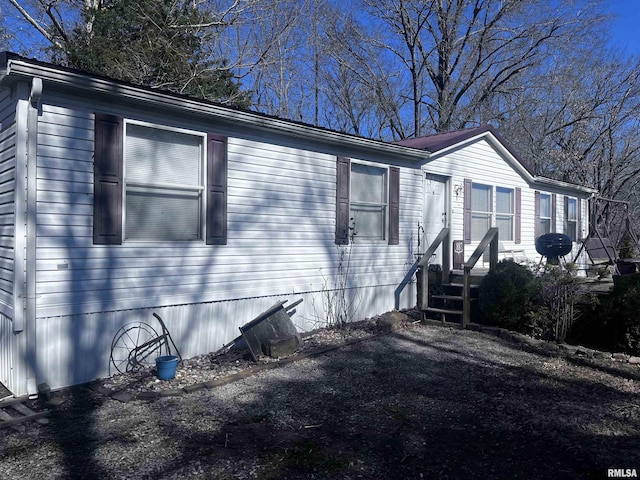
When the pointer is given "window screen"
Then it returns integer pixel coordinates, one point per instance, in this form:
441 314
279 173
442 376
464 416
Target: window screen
572 219
164 184
368 206
505 213
545 214
481 208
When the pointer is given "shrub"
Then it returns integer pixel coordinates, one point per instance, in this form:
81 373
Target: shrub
623 314
507 296
544 307
555 310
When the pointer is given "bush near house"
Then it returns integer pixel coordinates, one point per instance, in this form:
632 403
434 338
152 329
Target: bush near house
555 306
512 297
508 294
622 314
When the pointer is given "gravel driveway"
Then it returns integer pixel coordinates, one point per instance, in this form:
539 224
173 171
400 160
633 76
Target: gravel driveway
421 402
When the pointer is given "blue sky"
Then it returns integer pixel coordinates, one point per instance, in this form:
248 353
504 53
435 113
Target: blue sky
626 27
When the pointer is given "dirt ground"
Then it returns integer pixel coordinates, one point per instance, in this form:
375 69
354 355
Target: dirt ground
421 402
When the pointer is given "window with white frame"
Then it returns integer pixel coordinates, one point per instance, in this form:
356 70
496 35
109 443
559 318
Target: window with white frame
164 183
481 210
571 212
544 220
505 213
368 205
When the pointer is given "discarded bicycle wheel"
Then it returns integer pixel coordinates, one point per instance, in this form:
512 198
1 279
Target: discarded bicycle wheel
136 345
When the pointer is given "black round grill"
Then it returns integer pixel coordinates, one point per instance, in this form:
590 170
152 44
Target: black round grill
553 245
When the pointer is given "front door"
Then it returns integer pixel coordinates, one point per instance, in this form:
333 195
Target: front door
435 211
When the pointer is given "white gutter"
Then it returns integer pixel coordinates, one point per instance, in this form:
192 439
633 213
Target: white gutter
565 185
23 68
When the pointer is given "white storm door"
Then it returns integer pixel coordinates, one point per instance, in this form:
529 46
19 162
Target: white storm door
436 215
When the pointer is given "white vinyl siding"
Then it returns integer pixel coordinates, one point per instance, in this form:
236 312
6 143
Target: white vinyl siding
481 162
7 217
281 225
7 109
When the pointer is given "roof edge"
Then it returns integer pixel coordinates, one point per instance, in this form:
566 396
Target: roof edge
15 65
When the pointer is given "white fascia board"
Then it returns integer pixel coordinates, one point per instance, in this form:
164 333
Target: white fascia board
550 182
534 180
22 68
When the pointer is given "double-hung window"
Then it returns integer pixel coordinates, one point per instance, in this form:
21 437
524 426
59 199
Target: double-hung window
505 213
544 218
571 218
156 183
368 206
164 183
487 206
367 202
481 210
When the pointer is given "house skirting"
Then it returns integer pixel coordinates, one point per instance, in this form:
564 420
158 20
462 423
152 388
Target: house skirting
75 349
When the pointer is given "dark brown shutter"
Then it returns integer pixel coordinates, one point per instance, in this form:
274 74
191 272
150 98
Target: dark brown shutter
216 216
553 213
536 203
466 223
394 206
343 176
107 180
518 236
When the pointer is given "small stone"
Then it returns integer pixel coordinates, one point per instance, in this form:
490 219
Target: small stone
147 395
634 360
55 402
567 348
194 387
123 397
172 392
620 356
581 352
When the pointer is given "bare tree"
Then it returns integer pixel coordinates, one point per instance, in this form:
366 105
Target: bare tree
461 54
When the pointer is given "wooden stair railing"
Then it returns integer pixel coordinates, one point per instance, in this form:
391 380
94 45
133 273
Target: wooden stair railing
490 240
442 238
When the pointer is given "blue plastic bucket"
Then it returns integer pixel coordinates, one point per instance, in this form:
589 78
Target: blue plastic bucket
166 367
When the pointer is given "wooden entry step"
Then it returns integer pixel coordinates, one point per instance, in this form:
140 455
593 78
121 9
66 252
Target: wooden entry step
14 411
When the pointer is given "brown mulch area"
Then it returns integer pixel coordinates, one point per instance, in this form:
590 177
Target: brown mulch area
421 402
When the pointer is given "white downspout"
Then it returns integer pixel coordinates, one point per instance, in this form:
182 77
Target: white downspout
30 261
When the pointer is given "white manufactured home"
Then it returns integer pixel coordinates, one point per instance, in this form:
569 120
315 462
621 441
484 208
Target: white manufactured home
118 201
